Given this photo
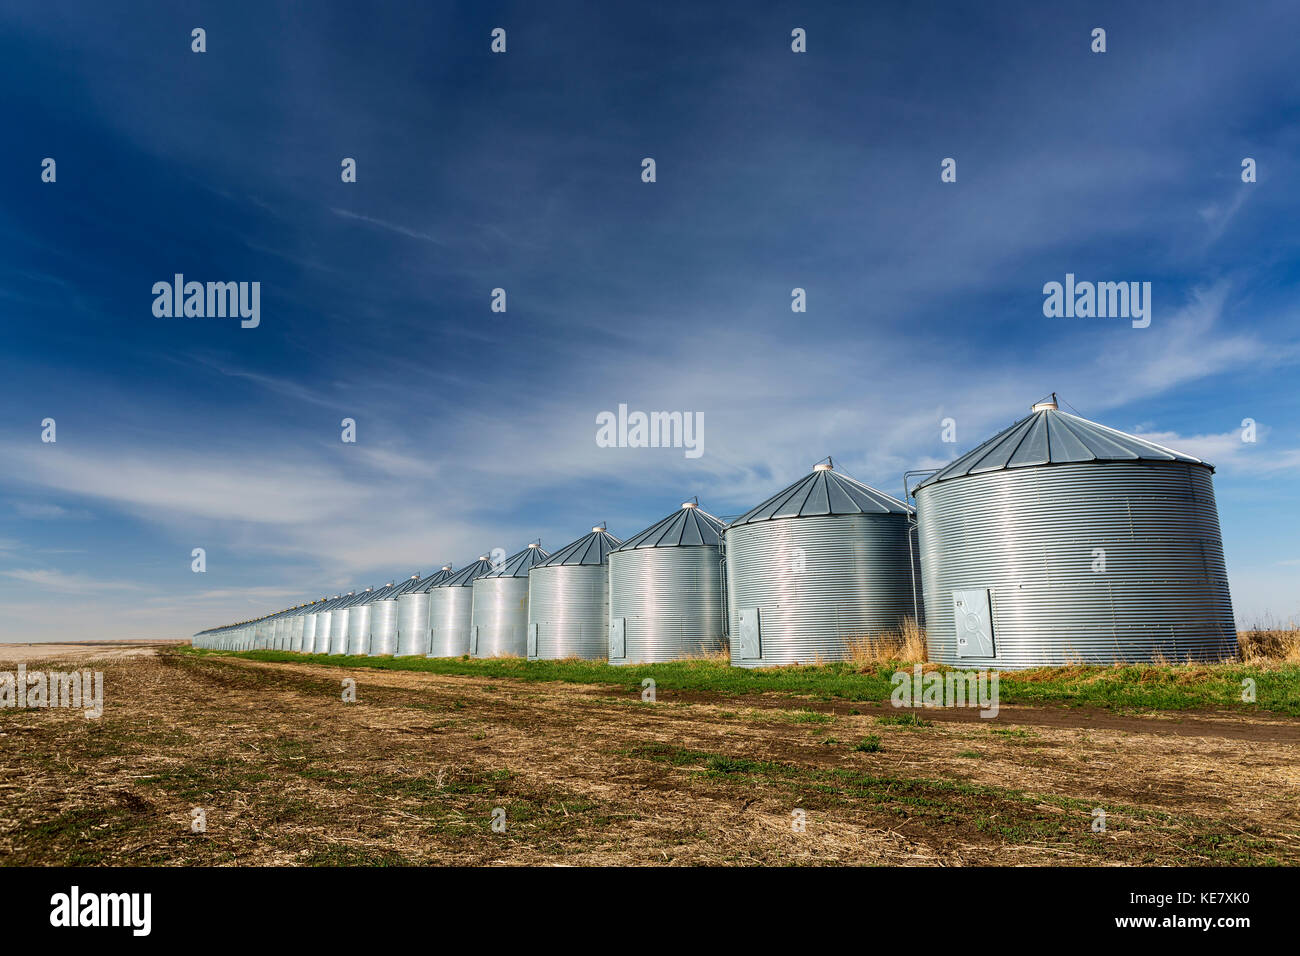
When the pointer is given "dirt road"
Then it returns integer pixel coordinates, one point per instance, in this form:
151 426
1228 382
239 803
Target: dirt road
284 771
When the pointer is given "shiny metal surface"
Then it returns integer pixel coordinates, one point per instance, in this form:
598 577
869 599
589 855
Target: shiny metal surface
308 642
359 628
499 611
569 606
499 615
1049 436
383 616
383 628
451 611
568 600
338 631
818 583
1029 536
670 599
413 624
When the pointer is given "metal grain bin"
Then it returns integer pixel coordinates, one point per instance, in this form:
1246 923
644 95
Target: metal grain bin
339 623
1063 541
309 616
451 605
413 615
665 590
359 616
824 563
383 617
568 600
499 619
325 624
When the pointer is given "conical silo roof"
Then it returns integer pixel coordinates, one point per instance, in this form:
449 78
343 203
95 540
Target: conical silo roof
520 563
411 583
823 492
433 580
592 548
351 598
1049 436
465 576
690 525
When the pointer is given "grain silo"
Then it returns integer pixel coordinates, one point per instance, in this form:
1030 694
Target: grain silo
320 627
383 617
359 612
824 563
499 620
568 600
451 604
284 629
1060 541
665 590
263 632
276 633
295 630
339 623
309 615
324 625
413 615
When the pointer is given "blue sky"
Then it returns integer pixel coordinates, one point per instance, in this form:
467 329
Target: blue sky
775 170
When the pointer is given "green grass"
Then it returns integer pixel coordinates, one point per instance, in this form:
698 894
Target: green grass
868 745
907 719
1124 688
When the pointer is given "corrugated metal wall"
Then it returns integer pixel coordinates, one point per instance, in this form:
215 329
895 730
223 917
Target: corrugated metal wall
670 600
1028 537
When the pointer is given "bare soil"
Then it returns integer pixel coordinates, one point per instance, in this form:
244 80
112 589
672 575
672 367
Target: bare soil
286 772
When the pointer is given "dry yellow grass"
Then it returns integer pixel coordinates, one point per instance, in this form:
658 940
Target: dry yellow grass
905 643
1270 644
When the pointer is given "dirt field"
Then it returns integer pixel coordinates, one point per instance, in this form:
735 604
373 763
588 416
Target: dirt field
11 655
411 773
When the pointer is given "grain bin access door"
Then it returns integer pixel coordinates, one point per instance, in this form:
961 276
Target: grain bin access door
532 639
473 639
974 619
749 646
618 638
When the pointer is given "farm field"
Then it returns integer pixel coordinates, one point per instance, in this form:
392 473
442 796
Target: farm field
587 773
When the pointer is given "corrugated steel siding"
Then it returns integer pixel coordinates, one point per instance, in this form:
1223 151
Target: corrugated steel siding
570 606
324 631
1028 536
383 628
413 624
501 615
296 624
309 632
359 629
450 614
339 630
855 583
671 599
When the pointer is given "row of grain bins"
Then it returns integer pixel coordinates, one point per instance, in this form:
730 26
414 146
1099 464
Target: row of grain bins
1057 540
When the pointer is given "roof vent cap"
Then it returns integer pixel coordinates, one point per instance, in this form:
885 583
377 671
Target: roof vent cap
822 466
1045 404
